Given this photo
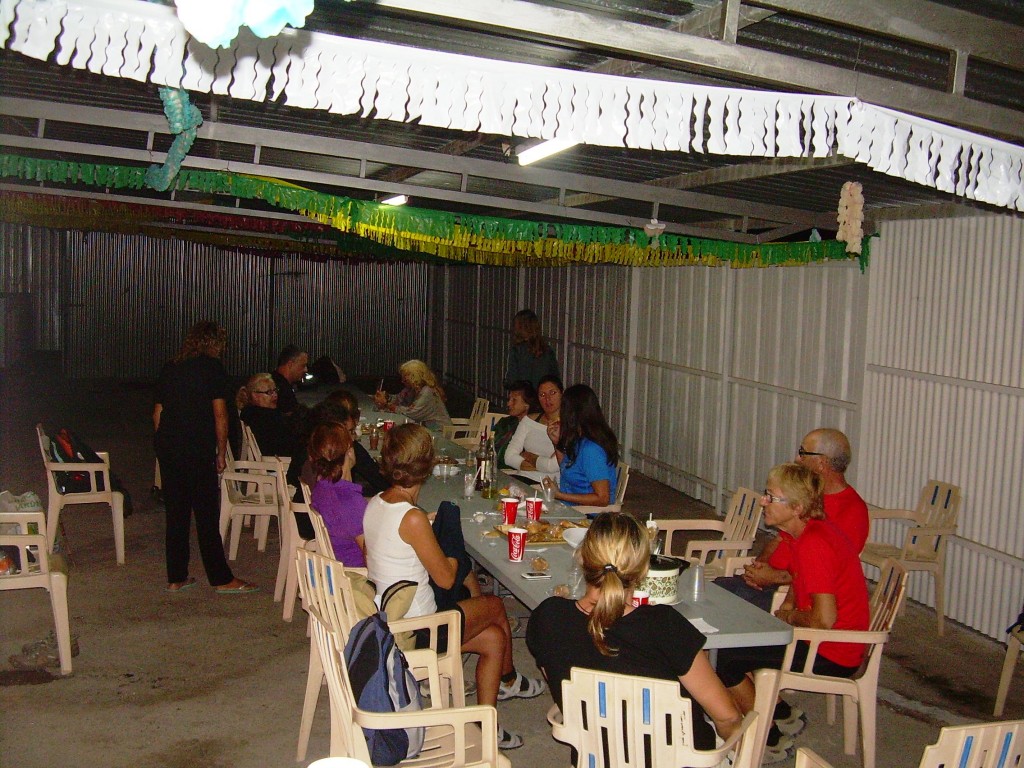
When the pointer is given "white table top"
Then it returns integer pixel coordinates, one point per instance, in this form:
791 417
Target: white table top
739 623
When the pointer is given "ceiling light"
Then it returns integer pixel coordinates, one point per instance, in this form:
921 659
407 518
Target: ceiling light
396 200
544 149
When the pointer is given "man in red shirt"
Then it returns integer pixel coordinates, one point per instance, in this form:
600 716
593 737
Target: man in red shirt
826 452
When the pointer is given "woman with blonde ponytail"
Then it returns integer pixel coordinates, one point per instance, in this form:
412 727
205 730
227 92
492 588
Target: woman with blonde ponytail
602 630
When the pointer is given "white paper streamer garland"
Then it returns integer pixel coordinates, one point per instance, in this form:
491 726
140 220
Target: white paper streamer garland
144 41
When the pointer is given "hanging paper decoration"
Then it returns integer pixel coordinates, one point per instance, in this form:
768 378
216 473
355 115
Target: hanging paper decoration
384 81
851 216
216 22
383 231
184 118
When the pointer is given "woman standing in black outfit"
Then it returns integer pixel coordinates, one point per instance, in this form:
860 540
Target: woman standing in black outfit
191 421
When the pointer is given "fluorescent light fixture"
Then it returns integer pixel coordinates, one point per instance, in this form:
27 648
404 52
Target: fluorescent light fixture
396 200
544 149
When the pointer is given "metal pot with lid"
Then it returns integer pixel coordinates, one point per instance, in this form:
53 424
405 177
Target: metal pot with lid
663 578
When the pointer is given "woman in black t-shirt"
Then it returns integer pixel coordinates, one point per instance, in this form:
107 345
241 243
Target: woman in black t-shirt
603 631
191 422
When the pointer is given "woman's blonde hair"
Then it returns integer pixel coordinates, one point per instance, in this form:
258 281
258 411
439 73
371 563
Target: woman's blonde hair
204 338
801 488
407 455
244 395
614 555
420 375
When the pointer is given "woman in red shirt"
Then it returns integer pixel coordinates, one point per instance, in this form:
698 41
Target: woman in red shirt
828 591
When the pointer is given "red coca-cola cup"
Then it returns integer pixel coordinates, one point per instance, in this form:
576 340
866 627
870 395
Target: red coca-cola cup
516 544
509 508
388 425
533 509
640 597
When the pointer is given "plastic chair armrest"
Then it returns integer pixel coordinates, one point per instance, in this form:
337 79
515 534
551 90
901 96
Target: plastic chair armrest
881 513
815 637
585 510
78 466
696 524
423 664
267 466
483 715
704 547
432 621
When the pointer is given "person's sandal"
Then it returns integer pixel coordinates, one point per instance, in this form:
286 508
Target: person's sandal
521 688
241 588
789 720
508 739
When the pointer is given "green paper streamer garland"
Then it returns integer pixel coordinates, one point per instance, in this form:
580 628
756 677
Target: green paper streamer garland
452 237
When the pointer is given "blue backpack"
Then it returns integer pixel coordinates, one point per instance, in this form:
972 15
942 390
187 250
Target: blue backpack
381 682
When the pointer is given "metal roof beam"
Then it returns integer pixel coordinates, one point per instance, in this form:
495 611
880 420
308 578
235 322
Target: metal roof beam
518 18
412 158
917 21
342 182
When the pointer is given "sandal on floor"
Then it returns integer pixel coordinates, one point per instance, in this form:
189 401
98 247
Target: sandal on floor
242 588
774 755
509 739
181 586
521 688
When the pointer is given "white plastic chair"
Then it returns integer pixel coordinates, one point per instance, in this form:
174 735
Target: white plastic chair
1013 644
286 587
737 530
471 427
247 488
860 692
456 736
56 500
621 481
38 569
924 544
984 745
617 720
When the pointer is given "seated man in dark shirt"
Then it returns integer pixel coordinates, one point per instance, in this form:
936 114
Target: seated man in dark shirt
291 367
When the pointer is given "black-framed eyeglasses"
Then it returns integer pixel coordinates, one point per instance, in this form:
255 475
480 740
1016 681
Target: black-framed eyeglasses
265 391
801 452
772 498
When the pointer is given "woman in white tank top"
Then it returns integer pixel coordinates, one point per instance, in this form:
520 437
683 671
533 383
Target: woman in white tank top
400 544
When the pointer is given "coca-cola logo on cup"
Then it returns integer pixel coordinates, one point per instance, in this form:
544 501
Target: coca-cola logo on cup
516 544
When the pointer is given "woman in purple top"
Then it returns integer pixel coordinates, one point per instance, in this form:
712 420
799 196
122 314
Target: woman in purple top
339 501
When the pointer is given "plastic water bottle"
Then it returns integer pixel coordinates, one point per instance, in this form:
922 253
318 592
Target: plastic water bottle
697 590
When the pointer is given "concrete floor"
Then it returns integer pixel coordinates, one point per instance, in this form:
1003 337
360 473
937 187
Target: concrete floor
167 681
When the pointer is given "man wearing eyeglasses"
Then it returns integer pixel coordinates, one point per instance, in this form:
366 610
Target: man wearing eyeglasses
827 453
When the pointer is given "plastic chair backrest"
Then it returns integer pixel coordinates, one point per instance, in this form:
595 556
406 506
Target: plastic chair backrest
744 515
984 745
938 507
888 594
250 450
608 716
621 481
480 406
323 538
343 703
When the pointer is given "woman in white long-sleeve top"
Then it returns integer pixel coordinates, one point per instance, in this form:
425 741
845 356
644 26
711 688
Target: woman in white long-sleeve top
530 450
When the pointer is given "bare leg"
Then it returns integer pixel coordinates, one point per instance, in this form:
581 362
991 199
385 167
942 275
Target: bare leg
744 694
487 634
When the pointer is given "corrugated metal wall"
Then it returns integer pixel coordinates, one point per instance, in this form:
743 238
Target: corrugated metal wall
30 258
128 300
945 380
733 367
